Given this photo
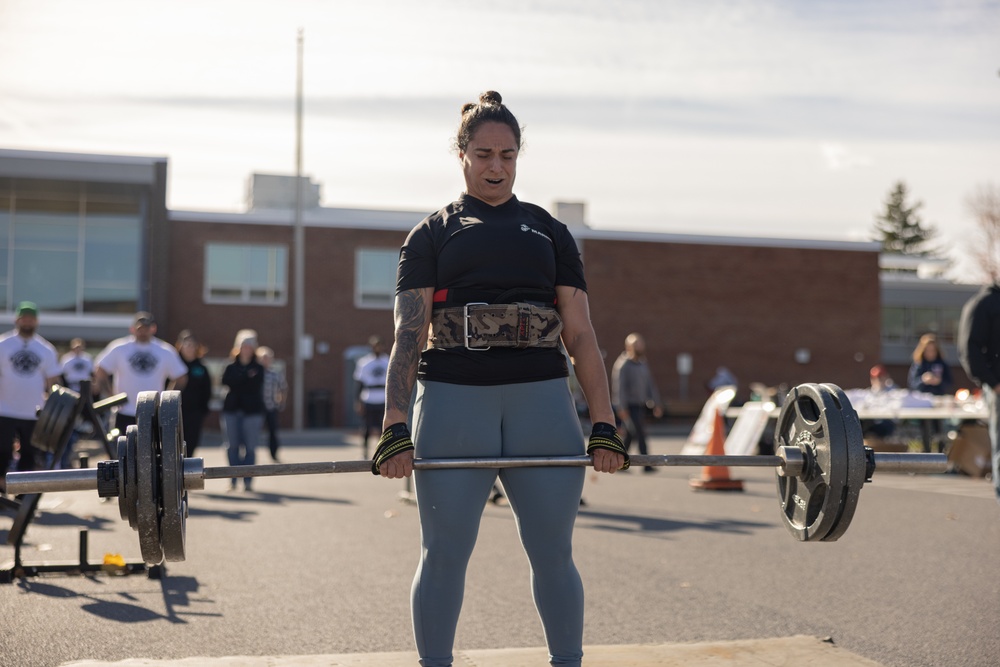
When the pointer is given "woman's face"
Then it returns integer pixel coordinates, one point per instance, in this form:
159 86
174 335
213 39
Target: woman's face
489 163
189 349
930 352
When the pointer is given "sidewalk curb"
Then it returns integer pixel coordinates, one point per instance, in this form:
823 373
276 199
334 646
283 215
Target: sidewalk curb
796 650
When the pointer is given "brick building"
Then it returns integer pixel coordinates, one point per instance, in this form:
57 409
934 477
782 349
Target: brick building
772 311
90 239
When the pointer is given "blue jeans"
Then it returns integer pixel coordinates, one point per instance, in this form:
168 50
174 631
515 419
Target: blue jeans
241 432
994 405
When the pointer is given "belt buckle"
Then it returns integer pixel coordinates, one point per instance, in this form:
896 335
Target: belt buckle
465 321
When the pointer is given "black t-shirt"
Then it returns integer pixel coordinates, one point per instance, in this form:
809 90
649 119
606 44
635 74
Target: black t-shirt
475 248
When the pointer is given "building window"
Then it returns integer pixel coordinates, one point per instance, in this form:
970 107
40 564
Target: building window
243 274
375 277
70 247
904 325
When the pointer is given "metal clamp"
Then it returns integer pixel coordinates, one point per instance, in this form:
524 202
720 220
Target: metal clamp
465 321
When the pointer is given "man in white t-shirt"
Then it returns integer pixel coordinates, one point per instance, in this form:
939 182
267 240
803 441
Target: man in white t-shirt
369 373
29 365
77 365
138 362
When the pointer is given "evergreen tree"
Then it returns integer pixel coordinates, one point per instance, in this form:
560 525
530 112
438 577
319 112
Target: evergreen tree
899 227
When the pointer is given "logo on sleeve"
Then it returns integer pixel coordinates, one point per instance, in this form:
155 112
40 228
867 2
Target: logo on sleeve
142 362
25 362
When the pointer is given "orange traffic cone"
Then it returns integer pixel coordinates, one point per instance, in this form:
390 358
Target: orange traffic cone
716 478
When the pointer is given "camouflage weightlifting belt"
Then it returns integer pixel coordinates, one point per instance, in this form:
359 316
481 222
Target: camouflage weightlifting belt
480 326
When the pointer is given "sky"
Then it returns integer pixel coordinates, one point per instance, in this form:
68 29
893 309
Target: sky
774 118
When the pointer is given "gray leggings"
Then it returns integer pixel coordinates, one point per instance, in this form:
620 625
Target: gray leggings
527 419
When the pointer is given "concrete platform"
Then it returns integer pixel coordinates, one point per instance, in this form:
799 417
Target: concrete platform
797 651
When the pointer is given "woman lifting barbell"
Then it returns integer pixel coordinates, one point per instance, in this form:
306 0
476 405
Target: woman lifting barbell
500 283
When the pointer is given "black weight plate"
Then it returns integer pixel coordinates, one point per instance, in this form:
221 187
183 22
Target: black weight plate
172 522
126 482
810 420
147 463
56 419
854 444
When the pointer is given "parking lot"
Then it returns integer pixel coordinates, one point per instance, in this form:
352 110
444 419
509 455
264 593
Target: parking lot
314 566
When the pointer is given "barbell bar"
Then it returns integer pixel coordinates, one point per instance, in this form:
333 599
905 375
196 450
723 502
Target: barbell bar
821 465
195 474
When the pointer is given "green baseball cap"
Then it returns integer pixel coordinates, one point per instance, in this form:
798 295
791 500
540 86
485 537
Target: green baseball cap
26 308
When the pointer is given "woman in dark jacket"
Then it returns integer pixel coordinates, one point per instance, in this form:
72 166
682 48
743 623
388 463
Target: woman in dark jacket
243 409
930 374
197 393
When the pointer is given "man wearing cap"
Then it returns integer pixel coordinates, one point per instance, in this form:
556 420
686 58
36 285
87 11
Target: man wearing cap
138 362
29 365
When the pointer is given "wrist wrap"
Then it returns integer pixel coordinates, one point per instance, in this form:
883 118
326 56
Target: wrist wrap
605 436
394 440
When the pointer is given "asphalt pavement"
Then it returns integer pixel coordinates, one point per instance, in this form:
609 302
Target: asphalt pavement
315 570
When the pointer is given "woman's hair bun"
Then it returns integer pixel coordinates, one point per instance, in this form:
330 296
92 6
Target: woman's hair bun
490 97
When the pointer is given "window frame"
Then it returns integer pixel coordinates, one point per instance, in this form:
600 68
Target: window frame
362 297
246 288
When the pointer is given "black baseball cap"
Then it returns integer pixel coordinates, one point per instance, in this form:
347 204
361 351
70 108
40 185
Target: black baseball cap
142 318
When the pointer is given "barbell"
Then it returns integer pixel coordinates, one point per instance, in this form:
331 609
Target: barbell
821 464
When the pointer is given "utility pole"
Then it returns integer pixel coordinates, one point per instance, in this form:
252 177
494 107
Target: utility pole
299 260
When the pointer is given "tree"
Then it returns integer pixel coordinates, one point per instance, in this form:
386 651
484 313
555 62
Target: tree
899 228
984 247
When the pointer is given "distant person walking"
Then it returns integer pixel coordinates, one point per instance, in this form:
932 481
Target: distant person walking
29 366
979 352
197 392
633 392
76 365
275 391
243 408
369 375
138 362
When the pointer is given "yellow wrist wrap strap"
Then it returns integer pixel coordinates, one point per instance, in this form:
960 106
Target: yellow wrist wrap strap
605 436
394 440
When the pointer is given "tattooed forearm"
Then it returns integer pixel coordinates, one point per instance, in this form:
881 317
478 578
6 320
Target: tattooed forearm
411 316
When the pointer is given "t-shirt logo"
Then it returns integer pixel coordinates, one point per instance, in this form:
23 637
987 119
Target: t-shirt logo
25 362
79 365
142 362
526 228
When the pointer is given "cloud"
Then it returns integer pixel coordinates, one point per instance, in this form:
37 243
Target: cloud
841 158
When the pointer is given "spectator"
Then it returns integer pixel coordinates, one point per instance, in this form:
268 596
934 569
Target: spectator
979 352
880 383
138 362
77 365
723 378
243 408
275 391
197 392
929 373
29 366
633 392
369 376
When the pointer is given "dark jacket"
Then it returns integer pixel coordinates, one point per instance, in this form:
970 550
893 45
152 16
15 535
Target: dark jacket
940 367
198 391
979 337
246 387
